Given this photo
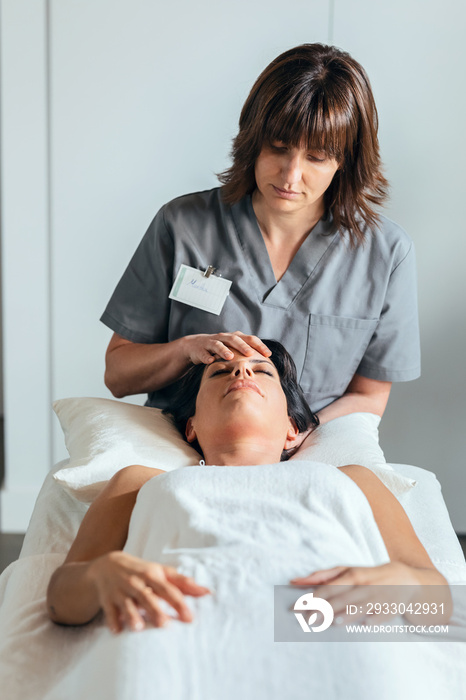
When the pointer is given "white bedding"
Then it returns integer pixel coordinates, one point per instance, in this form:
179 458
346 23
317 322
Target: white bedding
239 530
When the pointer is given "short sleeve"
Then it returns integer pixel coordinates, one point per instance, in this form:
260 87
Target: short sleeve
139 307
393 353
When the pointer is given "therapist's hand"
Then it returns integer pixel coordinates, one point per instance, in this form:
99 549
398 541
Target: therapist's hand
130 591
204 348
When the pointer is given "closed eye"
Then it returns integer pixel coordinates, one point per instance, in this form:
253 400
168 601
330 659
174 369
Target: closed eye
228 371
317 157
220 371
256 370
278 146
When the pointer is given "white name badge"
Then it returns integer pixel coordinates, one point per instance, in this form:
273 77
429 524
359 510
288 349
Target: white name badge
192 287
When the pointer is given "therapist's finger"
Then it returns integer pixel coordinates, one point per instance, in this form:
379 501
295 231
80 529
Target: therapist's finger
219 348
245 344
254 342
203 348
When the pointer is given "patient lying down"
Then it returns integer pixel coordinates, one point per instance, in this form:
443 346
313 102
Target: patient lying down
245 411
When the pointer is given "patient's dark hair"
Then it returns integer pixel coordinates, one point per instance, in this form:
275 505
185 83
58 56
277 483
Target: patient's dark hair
183 404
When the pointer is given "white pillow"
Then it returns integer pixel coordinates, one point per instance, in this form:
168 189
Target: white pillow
351 439
354 439
103 436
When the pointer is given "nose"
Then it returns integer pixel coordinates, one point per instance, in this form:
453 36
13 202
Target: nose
243 370
292 168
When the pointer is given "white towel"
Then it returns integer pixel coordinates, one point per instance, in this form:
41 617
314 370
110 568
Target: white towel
309 515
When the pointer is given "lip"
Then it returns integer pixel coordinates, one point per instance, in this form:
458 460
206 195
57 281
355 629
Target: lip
241 384
286 194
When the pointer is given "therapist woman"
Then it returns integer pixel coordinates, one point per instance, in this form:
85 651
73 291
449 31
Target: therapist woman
290 247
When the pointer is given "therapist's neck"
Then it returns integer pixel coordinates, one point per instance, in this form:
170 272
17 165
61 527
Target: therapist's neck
292 225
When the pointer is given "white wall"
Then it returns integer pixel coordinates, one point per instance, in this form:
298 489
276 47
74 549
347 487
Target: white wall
111 108
415 54
25 257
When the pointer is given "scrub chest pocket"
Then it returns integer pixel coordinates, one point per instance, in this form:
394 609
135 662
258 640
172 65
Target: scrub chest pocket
335 348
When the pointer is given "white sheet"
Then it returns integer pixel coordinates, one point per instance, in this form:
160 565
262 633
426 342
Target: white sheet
239 530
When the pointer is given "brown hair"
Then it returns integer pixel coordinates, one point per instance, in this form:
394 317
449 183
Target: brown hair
319 96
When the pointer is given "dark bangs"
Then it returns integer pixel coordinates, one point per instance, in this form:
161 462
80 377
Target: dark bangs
319 117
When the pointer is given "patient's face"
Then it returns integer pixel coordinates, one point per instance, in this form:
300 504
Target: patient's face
241 400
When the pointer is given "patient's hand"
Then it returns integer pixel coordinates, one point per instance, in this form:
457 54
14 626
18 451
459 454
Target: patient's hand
130 591
385 587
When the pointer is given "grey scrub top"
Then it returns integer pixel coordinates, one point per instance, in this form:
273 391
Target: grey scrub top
337 310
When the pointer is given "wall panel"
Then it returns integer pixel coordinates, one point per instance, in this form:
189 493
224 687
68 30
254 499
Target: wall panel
25 257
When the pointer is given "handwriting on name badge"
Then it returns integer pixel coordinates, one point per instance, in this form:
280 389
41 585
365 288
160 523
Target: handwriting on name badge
200 287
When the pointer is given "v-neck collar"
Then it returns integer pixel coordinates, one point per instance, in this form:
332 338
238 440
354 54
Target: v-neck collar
307 258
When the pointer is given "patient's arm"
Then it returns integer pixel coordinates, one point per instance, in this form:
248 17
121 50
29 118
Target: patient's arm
409 562
398 534
97 575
